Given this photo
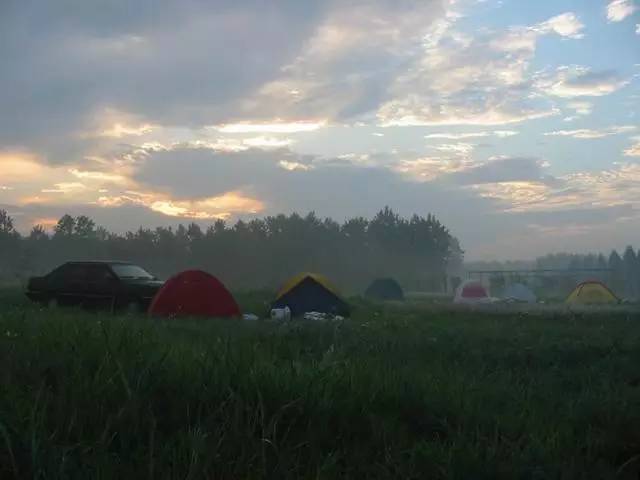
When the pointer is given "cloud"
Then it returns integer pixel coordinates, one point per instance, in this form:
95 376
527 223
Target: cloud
618 10
96 175
414 112
118 130
20 167
634 150
457 186
505 133
344 70
461 169
578 81
479 80
217 171
565 25
457 136
285 181
291 166
177 70
219 207
502 170
462 136
65 187
267 142
460 148
195 114
515 196
28 179
430 168
607 188
524 39
581 107
272 127
184 182
583 218
586 133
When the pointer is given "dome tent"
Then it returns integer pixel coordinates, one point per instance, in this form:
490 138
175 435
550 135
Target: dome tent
592 292
471 292
194 293
519 292
310 292
384 289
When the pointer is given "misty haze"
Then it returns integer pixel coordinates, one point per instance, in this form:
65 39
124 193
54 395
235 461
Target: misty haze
320 239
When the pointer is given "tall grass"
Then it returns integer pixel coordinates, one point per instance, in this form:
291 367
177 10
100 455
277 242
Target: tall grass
394 392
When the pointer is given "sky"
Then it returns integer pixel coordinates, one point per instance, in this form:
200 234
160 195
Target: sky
516 123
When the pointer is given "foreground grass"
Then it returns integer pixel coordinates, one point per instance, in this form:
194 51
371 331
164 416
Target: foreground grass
395 392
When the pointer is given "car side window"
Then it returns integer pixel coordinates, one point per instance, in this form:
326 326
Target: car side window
99 273
76 274
60 273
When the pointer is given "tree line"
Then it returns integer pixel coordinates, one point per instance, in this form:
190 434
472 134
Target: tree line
621 272
624 270
260 253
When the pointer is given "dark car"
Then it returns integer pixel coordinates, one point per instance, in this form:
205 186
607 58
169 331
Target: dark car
110 285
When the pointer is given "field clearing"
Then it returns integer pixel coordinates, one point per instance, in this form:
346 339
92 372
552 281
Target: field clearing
410 390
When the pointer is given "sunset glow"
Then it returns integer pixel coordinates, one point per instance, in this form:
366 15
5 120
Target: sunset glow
469 110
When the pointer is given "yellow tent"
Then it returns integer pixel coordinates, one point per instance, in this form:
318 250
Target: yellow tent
296 279
310 292
592 293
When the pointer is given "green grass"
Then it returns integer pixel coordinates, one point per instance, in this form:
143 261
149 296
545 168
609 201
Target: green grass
398 391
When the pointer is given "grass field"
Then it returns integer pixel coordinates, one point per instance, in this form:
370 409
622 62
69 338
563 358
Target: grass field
397 391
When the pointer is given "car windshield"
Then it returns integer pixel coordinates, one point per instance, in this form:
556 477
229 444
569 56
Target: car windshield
131 271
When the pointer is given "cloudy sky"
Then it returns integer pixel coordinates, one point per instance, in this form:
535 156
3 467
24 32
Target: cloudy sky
517 123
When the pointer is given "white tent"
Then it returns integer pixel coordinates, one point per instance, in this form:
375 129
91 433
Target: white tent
519 292
472 292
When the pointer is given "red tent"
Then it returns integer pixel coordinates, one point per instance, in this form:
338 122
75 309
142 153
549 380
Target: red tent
471 292
474 290
194 293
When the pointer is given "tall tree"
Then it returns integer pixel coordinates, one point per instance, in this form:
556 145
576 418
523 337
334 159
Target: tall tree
630 272
65 226
260 252
617 272
10 245
84 227
6 224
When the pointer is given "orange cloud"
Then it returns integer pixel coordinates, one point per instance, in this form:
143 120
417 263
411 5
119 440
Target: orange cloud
222 206
46 222
20 167
99 176
32 199
65 187
119 130
26 180
232 201
113 123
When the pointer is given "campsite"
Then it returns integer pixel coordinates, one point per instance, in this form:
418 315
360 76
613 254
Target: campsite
391 360
320 240
397 389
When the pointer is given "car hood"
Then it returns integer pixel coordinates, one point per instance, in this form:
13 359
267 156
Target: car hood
143 283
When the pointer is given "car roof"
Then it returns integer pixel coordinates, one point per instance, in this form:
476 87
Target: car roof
99 262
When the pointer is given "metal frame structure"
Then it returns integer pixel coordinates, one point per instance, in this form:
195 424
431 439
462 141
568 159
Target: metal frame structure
539 272
534 276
